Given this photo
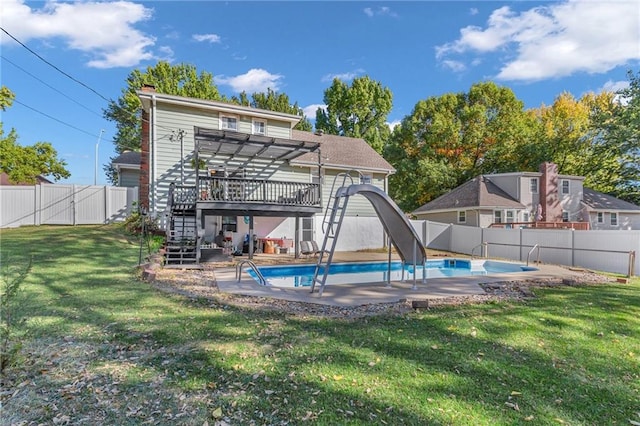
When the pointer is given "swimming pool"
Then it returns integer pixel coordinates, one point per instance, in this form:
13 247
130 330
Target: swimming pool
370 272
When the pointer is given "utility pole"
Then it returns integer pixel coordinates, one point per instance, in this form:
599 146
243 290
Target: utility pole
95 175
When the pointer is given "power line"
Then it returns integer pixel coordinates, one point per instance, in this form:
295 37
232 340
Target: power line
49 86
53 66
55 119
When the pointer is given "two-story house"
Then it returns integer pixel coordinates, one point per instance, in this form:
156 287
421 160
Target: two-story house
543 199
208 167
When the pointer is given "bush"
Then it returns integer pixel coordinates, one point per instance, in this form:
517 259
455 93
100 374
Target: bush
10 280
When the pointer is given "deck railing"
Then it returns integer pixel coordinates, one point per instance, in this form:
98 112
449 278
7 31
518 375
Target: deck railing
243 190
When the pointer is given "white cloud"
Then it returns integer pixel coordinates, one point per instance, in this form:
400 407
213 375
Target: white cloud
614 86
104 31
392 125
379 11
555 41
473 11
455 66
211 38
344 76
254 80
310 110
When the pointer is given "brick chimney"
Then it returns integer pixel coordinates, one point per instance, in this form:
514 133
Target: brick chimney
549 198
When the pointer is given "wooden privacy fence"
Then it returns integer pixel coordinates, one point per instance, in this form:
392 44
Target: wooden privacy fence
54 204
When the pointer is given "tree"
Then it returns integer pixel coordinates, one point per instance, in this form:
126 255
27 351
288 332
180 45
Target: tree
180 80
449 139
23 164
617 126
273 101
358 111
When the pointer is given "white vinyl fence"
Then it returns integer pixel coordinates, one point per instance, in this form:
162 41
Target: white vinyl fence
599 250
54 204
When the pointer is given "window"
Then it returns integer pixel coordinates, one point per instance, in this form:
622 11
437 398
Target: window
525 216
614 219
565 186
462 216
497 216
600 217
510 216
259 127
534 185
230 223
228 122
565 216
366 179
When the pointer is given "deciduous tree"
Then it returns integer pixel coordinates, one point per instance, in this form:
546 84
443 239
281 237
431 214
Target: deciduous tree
359 111
23 164
273 101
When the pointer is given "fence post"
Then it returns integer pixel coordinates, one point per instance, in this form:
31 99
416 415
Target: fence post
573 247
520 244
632 263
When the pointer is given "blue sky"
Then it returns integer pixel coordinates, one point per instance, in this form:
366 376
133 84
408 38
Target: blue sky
417 49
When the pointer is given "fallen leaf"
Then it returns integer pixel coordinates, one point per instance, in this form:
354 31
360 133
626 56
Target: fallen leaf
217 413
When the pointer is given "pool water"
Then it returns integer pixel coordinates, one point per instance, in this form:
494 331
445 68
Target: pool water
369 272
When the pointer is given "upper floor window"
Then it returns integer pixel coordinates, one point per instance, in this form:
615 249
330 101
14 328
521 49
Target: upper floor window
497 216
511 216
614 219
565 186
462 216
228 122
565 216
534 185
600 217
259 127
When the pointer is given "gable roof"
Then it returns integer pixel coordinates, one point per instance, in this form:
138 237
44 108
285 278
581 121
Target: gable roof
477 193
599 201
4 181
342 152
127 158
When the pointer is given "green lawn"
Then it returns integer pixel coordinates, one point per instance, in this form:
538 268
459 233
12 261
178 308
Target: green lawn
101 347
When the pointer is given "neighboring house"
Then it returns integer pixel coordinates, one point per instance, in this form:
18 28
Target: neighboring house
4 181
127 167
543 199
256 175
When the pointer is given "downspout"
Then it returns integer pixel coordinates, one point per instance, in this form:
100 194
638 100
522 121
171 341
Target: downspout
152 178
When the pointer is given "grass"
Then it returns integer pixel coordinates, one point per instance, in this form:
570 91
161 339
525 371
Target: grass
101 347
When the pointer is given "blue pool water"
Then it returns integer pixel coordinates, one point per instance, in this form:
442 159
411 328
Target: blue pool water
369 272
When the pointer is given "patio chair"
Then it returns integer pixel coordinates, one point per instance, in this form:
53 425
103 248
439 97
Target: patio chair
309 248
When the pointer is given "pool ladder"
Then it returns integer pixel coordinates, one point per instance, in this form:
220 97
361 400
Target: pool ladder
253 266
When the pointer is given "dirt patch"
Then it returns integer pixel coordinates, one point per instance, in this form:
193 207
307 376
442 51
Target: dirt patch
201 284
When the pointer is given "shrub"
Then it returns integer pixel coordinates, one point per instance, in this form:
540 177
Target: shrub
10 280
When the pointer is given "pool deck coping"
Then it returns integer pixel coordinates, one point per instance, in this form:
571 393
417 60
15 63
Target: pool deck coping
350 295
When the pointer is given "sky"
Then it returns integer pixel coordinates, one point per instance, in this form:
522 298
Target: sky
65 59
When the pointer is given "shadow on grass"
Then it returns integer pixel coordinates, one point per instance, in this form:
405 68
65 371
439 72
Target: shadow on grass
151 354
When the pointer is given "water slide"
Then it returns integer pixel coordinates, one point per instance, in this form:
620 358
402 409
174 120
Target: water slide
395 223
